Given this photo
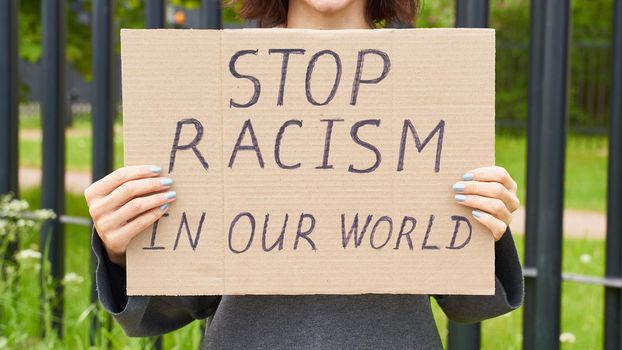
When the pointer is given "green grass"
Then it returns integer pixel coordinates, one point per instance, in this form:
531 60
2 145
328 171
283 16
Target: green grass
24 327
585 183
78 150
586 160
583 319
582 305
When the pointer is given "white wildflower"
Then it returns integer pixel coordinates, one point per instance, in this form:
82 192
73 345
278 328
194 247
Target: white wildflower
44 214
28 254
585 258
17 205
567 337
72 278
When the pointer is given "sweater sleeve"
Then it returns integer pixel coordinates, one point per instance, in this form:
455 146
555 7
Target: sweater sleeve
509 289
142 316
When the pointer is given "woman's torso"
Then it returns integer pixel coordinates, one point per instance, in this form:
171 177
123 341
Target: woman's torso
370 321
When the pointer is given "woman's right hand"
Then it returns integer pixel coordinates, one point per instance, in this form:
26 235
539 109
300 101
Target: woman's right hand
126 202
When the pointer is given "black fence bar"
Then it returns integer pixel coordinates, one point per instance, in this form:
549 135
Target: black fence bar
155 12
533 151
469 14
472 13
8 97
53 111
550 173
103 110
613 296
613 282
210 16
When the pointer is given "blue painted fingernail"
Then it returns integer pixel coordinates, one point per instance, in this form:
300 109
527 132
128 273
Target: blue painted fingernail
467 177
477 213
155 169
166 181
460 197
458 187
164 206
170 195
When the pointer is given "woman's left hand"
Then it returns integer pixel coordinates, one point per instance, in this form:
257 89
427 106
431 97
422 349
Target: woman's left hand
491 192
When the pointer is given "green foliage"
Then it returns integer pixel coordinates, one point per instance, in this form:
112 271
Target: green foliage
16 222
128 14
26 303
589 61
78 35
436 14
30 30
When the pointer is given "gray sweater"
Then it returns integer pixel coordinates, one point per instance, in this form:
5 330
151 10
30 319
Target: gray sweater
368 321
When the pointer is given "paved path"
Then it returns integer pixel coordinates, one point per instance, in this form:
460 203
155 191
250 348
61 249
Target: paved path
75 181
577 223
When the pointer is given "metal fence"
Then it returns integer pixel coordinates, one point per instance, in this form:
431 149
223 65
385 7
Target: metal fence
547 110
588 85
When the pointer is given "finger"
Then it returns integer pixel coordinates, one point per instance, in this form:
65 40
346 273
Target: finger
99 207
136 188
488 189
120 239
491 174
496 226
113 180
493 206
134 208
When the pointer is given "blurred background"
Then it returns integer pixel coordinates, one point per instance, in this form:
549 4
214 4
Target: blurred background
62 59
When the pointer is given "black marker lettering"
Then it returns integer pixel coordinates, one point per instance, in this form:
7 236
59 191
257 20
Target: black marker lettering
329 132
458 219
310 68
284 64
425 245
154 230
192 145
440 128
345 239
184 223
279 240
355 137
277 144
247 126
373 232
413 223
305 234
255 81
386 66
251 219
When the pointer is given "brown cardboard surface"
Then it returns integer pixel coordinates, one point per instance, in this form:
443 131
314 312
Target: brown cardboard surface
440 80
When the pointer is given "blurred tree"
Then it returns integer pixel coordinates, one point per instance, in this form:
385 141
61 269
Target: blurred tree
589 62
128 13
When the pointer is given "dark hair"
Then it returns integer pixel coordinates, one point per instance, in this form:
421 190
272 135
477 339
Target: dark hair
274 12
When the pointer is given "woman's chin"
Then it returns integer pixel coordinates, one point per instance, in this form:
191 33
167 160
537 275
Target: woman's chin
328 7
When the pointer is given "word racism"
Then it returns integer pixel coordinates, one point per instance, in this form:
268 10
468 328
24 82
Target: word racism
380 232
409 130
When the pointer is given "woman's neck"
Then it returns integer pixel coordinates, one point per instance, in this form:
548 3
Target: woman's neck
301 15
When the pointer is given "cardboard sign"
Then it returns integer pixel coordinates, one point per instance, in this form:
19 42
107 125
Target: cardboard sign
311 162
